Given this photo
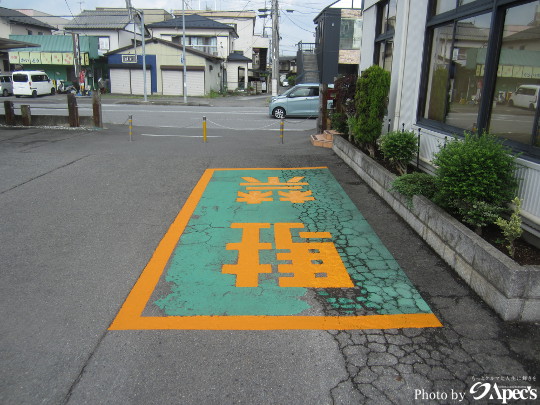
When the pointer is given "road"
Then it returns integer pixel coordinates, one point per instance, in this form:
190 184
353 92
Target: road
85 213
248 113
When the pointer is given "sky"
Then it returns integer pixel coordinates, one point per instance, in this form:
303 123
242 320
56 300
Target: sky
294 26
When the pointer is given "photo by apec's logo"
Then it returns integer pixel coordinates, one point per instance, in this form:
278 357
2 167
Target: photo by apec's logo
482 391
504 394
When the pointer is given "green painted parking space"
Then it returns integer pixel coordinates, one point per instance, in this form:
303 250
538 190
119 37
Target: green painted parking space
272 249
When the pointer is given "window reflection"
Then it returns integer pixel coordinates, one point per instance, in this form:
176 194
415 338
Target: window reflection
518 76
455 82
445 5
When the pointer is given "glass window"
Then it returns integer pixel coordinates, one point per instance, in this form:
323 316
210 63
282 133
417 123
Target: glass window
385 55
384 43
20 78
455 79
517 86
444 5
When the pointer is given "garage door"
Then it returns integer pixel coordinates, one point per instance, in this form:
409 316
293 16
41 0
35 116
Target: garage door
173 84
137 82
195 83
120 81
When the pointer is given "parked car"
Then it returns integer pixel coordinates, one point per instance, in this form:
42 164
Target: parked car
301 100
32 83
6 85
526 96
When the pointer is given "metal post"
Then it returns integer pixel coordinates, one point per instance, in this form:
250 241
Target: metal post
403 127
130 127
281 125
143 52
389 121
204 129
96 109
418 150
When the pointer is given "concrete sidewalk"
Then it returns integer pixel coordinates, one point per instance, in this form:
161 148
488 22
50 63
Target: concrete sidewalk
82 213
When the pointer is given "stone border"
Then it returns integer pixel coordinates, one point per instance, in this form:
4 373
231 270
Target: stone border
513 291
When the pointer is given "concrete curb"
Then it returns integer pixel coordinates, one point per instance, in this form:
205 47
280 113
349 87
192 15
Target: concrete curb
513 291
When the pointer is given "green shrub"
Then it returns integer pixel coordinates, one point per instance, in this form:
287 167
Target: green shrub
399 148
370 101
339 122
476 179
511 228
415 184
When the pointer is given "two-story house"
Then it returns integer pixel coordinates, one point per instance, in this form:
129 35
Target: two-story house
13 22
247 59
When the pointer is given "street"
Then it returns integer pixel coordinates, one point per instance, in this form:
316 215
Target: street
87 214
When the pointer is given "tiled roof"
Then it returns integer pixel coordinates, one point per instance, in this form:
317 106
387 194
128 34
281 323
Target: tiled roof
15 16
92 19
192 21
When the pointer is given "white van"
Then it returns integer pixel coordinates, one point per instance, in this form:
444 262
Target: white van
6 86
32 83
526 96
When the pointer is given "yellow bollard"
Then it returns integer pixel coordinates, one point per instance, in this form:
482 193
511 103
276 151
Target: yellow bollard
281 129
204 129
130 126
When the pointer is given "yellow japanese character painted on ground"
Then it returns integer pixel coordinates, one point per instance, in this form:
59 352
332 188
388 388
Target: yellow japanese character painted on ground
254 197
273 183
248 267
313 264
296 196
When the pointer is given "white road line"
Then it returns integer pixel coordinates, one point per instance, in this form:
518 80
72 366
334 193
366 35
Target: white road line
185 136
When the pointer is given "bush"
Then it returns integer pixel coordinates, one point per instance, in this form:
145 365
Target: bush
399 148
475 178
339 122
511 228
370 101
415 184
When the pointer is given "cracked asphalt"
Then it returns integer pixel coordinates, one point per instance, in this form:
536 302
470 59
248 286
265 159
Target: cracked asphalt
82 212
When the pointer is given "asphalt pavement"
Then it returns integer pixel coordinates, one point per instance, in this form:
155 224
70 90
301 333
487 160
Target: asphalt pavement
82 214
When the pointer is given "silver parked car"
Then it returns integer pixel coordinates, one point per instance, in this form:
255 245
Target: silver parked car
301 100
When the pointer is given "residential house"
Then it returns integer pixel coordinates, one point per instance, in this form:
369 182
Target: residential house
57 22
13 22
151 15
164 73
249 44
204 35
338 36
113 28
454 67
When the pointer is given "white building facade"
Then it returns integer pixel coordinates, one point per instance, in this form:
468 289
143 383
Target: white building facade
457 65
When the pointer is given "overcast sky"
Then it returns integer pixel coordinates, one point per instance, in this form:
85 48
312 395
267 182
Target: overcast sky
296 26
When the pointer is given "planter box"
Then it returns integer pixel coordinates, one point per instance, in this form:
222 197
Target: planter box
513 291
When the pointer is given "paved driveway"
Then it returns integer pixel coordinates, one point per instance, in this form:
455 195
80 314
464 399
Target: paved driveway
83 214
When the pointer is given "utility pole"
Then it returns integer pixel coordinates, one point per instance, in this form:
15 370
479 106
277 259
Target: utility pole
275 47
184 50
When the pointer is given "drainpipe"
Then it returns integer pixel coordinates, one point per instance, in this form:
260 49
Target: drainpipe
397 112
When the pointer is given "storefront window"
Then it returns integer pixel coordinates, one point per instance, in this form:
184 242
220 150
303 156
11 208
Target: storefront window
517 88
455 79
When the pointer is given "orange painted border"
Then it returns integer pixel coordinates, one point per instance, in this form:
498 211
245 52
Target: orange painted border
130 315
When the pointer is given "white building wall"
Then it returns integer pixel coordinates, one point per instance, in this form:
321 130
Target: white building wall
405 92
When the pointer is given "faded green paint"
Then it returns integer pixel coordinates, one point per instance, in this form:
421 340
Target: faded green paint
197 286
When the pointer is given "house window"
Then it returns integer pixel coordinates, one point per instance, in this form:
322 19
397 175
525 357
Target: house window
350 33
480 63
384 40
29 32
104 43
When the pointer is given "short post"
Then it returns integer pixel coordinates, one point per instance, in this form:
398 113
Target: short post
402 127
204 129
73 110
281 125
26 115
96 108
389 122
418 150
130 127
10 112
